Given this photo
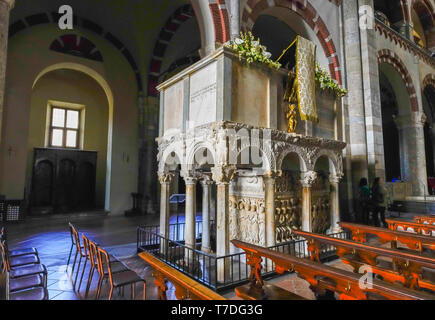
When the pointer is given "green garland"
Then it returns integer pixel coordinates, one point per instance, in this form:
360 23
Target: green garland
250 50
325 82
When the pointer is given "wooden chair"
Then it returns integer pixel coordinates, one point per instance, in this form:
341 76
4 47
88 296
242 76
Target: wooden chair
119 279
23 271
18 252
79 252
39 293
117 266
73 242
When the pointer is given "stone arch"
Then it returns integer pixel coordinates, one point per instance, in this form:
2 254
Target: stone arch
266 157
387 56
303 161
307 12
178 157
204 145
108 91
334 167
83 24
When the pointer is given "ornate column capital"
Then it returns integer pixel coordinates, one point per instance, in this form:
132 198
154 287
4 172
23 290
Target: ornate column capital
308 178
270 176
335 178
206 180
190 177
223 174
166 177
9 3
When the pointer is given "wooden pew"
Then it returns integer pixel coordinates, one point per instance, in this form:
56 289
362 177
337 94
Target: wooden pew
425 219
417 227
185 287
411 240
323 278
406 268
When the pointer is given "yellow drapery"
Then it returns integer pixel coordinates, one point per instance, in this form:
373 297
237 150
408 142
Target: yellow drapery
305 83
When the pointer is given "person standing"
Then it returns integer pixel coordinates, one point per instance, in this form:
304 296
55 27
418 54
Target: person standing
363 201
379 200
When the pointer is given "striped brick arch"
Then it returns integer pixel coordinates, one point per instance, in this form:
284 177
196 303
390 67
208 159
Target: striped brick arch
171 26
221 20
306 11
388 56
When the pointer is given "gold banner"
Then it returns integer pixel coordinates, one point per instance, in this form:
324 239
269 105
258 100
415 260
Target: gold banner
305 79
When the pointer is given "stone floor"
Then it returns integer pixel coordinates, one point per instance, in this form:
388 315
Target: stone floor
117 234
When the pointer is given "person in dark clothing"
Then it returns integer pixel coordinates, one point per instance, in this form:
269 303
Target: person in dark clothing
363 201
379 201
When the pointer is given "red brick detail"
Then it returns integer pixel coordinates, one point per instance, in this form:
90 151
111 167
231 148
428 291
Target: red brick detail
174 22
221 21
388 56
307 12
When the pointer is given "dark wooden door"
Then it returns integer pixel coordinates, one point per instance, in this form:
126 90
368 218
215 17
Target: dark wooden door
63 180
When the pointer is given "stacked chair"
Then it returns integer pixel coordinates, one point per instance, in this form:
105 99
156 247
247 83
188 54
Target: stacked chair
107 266
27 276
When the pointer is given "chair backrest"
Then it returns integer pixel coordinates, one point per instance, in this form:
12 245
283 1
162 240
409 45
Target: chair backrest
2 234
103 258
5 256
85 241
93 256
72 230
77 241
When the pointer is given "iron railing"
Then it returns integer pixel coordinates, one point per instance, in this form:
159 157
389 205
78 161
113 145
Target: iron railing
203 267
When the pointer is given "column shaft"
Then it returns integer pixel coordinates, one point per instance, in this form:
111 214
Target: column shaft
190 232
5 7
307 224
335 207
269 195
206 187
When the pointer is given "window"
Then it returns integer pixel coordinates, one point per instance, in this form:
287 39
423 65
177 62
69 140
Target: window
64 128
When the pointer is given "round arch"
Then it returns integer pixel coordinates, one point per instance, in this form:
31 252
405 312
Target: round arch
108 91
306 11
332 161
387 56
302 162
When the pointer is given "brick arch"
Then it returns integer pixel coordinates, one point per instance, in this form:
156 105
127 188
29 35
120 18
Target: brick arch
422 8
307 12
387 56
429 80
221 20
171 26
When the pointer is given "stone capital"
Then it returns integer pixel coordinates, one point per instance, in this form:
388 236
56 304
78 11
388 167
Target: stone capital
166 177
206 180
270 176
190 177
223 174
335 178
308 178
9 3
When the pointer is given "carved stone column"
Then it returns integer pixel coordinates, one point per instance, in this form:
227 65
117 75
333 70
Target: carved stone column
190 218
269 199
5 7
222 175
206 193
334 181
307 181
165 186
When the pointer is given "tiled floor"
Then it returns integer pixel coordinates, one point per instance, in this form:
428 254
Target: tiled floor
117 234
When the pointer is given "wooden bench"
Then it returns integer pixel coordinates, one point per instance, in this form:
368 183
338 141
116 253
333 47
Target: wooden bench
185 287
411 240
323 278
425 219
406 268
417 227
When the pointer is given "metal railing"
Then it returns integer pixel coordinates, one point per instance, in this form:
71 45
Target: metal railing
219 273
176 231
